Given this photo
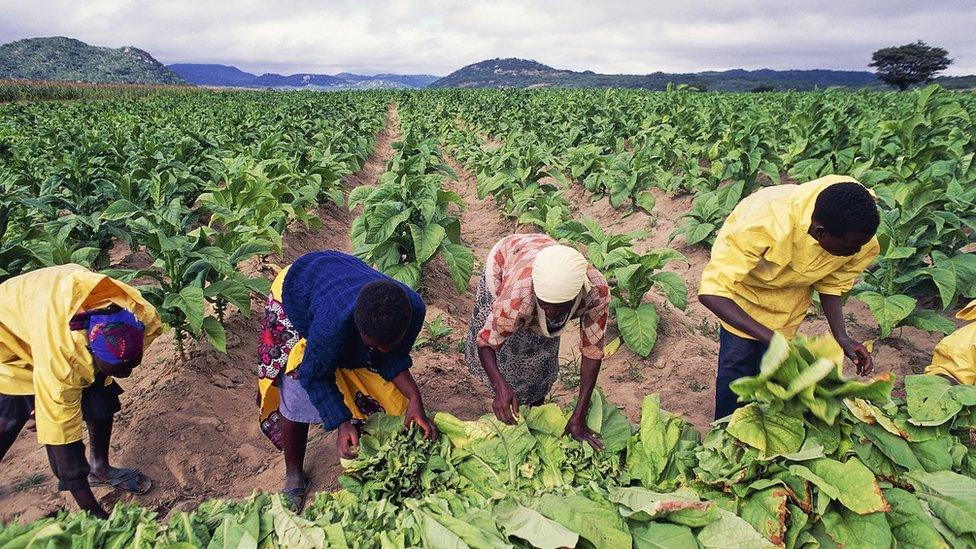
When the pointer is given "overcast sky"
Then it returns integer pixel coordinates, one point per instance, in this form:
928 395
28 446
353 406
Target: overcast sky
439 36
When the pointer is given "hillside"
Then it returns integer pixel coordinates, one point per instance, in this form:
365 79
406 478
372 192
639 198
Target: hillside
227 76
70 60
522 73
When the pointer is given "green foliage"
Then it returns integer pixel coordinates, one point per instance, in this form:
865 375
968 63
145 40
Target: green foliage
436 335
200 182
69 60
407 219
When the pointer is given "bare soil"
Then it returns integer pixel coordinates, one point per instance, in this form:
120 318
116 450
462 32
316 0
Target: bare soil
192 426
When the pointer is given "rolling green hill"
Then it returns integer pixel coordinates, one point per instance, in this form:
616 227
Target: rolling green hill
70 60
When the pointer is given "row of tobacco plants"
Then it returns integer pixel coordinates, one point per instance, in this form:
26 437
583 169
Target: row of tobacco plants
198 181
917 152
812 460
408 219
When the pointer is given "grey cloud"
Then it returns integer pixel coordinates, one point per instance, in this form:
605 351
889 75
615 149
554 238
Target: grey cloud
439 36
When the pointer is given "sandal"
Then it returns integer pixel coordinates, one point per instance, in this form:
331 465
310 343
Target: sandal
298 496
127 480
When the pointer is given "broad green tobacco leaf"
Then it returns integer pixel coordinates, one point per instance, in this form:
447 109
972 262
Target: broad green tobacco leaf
528 524
896 448
769 432
731 532
930 400
408 273
888 311
650 449
597 523
656 535
607 420
443 530
910 524
293 530
638 327
855 485
677 507
853 531
766 511
950 496
426 240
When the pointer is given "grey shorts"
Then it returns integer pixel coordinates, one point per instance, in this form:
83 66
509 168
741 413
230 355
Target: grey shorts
295 403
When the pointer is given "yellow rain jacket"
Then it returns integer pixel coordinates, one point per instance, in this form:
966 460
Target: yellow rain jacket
41 356
955 355
764 260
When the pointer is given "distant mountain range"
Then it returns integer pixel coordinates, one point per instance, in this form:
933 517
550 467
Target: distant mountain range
522 73
66 59
70 60
227 76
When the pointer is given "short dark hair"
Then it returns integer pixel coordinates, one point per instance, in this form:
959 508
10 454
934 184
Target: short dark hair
383 311
845 208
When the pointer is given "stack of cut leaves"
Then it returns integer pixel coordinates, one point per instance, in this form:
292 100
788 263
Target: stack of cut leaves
811 460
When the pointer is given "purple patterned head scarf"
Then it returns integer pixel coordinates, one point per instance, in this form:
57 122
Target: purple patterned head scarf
113 338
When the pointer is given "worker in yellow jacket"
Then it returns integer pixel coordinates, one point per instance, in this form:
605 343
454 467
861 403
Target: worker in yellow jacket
955 355
778 246
65 332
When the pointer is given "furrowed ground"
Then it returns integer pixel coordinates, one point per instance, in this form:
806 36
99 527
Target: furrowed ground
190 422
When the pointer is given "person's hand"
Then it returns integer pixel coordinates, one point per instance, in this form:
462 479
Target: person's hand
415 416
576 428
347 441
859 355
506 404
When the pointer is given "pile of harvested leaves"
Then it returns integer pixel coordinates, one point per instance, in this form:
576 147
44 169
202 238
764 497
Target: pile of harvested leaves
812 460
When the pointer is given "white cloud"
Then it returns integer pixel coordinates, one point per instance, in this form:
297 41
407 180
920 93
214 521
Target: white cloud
439 36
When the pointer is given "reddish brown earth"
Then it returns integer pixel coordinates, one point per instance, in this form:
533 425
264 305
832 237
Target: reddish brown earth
192 426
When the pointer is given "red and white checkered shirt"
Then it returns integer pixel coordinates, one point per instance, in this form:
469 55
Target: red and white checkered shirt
514 307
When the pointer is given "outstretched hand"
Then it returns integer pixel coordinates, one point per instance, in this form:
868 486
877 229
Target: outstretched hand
859 355
506 404
347 440
415 416
576 428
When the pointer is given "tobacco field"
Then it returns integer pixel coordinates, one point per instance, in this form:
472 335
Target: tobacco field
197 198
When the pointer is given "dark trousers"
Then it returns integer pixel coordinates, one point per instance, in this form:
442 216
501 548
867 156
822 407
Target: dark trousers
737 357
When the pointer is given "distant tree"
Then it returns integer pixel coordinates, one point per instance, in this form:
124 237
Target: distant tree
762 88
903 66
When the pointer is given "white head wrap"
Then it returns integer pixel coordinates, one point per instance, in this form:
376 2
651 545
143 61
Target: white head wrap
559 273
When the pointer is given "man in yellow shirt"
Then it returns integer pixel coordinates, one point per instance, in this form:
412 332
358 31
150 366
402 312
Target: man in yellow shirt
955 356
777 247
63 332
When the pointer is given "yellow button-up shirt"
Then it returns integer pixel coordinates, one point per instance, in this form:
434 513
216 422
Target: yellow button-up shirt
765 261
955 355
41 356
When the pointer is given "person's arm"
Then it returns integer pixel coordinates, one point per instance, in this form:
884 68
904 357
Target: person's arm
859 355
835 285
731 313
576 426
593 329
415 414
505 404
70 466
396 368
